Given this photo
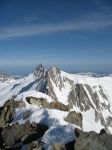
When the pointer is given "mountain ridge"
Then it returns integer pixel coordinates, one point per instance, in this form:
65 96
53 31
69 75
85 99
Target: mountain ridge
84 94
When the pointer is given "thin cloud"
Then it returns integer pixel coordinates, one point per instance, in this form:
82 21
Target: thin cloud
36 29
25 61
44 59
96 50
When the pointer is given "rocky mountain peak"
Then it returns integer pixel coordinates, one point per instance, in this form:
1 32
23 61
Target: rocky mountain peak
39 71
54 71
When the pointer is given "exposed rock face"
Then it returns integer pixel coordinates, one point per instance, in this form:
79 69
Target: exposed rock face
39 71
93 141
79 97
53 75
19 135
35 101
81 94
7 112
74 118
60 106
41 74
41 102
16 136
34 145
57 146
67 146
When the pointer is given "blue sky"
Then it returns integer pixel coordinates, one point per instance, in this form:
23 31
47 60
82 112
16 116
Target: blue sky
75 35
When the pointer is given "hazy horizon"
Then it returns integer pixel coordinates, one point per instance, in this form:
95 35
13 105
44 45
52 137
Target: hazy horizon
70 69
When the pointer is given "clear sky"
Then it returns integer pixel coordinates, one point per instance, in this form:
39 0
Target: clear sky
75 35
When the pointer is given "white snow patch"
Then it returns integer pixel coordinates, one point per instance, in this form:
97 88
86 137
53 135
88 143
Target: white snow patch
89 123
59 134
33 94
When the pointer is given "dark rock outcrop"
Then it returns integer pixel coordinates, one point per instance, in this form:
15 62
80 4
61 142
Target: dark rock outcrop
74 118
67 146
34 145
17 135
70 145
59 106
58 146
93 141
39 71
8 110
41 102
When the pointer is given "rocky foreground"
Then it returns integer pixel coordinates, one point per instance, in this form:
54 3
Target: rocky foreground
28 136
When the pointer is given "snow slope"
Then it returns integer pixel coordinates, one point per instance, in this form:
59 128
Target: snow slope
104 82
91 96
7 90
59 130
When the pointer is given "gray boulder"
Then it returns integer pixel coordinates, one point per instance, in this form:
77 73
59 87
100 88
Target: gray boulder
34 145
17 135
93 141
42 102
7 112
74 118
57 146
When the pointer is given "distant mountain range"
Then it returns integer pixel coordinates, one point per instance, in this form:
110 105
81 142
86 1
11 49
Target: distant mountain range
92 74
3 76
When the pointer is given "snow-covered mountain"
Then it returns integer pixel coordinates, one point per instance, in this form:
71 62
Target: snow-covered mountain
92 74
4 77
89 96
